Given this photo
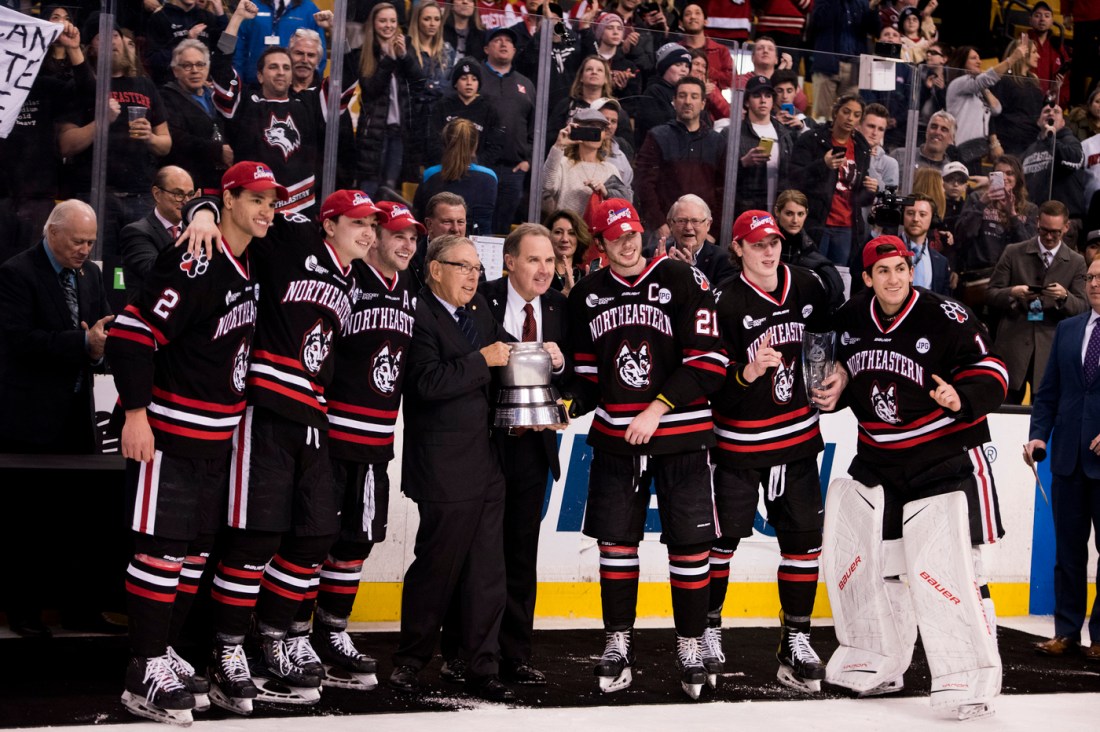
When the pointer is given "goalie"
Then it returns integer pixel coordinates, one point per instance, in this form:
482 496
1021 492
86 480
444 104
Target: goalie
902 540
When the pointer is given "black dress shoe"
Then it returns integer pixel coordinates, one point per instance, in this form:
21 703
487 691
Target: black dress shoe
523 673
489 688
453 670
29 627
404 678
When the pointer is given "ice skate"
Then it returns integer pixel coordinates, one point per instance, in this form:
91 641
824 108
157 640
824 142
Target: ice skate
278 679
713 658
155 692
975 710
799 666
613 668
302 654
345 666
689 659
887 687
231 686
199 686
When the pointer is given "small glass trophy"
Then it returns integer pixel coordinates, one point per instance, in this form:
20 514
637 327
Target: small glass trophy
818 359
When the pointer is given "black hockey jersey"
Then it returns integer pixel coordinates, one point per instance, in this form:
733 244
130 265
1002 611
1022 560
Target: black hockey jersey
182 349
771 422
370 366
654 334
890 364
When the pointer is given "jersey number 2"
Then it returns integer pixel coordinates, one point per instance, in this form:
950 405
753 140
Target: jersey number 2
167 301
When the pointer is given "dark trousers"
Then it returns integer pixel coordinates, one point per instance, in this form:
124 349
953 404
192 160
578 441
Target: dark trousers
509 198
1075 502
458 555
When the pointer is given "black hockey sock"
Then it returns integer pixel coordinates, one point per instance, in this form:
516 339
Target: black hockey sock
190 577
237 581
689 570
618 584
797 574
721 554
340 579
287 580
151 585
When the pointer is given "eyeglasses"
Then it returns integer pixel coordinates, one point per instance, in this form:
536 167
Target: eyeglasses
934 53
1043 231
1090 278
177 195
685 221
465 269
189 66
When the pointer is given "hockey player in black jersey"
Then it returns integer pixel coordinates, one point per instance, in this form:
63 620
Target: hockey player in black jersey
768 436
179 355
647 351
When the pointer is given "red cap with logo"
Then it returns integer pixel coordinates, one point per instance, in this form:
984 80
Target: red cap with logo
898 249
397 216
615 217
347 202
752 226
254 177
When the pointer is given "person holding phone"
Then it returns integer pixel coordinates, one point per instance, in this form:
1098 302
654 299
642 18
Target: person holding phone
577 166
766 148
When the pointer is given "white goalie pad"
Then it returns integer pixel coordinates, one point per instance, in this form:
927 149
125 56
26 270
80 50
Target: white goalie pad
876 638
958 637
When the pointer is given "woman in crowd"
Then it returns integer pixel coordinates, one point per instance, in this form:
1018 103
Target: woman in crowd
621 153
1084 120
592 84
436 58
578 168
1021 99
571 239
462 29
791 208
459 173
971 101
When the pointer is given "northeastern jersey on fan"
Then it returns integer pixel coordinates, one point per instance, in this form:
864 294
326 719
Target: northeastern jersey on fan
890 364
305 305
772 421
637 338
370 366
182 350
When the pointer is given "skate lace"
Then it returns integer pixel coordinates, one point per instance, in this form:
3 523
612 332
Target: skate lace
301 651
234 664
689 651
712 640
160 677
617 647
801 648
341 641
180 666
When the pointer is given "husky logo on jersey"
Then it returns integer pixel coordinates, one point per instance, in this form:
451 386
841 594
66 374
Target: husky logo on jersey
633 366
700 279
194 266
885 403
240 367
313 266
783 382
385 367
955 311
315 348
283 134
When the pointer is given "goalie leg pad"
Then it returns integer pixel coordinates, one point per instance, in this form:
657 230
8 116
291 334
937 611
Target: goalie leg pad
873 651
958 638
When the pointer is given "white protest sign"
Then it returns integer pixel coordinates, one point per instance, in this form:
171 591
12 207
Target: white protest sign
24 42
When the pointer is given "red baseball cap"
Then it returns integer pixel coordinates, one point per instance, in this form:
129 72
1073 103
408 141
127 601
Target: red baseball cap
870 256
752 226
397 216
614 218
254 177
346 202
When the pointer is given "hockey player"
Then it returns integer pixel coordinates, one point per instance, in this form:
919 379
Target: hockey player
921 382
363 401
283 514
179 356
768 436
647 352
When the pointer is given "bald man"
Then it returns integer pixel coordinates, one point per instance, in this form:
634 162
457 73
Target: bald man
145 239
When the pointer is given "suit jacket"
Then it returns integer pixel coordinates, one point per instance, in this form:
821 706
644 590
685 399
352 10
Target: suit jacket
42 356
1065 406
1017 337
555 329
141 244
713 262
448 455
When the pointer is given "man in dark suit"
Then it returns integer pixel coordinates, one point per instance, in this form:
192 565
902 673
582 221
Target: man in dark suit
526 458
1035 285
689 222
145 239
52 335
451 470
1068 403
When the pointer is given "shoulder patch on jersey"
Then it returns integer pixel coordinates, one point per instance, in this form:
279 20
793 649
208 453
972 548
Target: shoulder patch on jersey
847 339
312 265
749 322
954 311
296 218
807 310
700 279
194 266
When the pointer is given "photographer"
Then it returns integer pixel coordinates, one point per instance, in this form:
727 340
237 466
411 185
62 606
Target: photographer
577 166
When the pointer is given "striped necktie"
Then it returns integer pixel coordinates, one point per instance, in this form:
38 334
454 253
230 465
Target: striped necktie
469 329
68 286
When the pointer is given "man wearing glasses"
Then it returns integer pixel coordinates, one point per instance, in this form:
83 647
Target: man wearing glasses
145 239
451 470
689 222
199 133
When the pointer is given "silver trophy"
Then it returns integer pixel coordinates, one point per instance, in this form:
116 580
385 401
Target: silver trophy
818 359
527 398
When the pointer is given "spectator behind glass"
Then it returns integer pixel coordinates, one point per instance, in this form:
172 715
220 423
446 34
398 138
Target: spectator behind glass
1057 177
915 41
199 140
840 34
460 174
565 53
933 90
571 239
606 40
883 169
176 21
938 148
305 49
785 21
797 248
591 84
577 169
254 33
1052 53
896 101
719 61
718 109
655 106
57 61
971 102
765 152
462 29
621 151
787 96
1084 120
928 184
436 58
955 180
1021 99
467 103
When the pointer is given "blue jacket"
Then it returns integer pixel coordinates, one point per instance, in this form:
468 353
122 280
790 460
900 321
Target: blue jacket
478 188
1065 406
250 37
840 27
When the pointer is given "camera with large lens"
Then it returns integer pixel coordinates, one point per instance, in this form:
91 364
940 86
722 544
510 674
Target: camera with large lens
886 211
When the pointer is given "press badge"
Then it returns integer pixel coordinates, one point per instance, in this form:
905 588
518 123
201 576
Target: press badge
1035 310
271 40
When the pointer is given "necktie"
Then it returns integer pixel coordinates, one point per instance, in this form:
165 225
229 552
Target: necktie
466 323
174 231
1047 256
1092 355
68 286
530 332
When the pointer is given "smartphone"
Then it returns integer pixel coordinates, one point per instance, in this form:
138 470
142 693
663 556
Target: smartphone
997 180
766 144
1035 289
586 134
788 108
840 150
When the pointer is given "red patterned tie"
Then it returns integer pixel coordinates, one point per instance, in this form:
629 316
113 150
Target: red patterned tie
530 332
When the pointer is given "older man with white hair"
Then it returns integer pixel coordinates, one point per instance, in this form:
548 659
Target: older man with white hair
689 222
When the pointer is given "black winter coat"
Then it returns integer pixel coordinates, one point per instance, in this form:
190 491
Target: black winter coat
752 182
810 175
193 146
375 108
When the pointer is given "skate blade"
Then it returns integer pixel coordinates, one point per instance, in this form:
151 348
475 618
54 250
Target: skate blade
140 707
889 687
712 681
806 686
202 703
975 711
692 690
610 685
343 679
276 692
236 705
